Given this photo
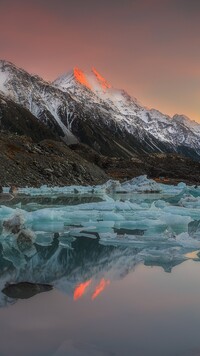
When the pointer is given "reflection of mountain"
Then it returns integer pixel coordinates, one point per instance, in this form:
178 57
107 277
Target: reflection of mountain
85 266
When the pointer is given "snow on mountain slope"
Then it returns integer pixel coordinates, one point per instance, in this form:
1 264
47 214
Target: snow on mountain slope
76 81
3 79
85 107
35 95
128 112
16 119
185 121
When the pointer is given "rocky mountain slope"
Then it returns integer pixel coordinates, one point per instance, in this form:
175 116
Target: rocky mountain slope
16 119
28 163
167 168
81 107
25 162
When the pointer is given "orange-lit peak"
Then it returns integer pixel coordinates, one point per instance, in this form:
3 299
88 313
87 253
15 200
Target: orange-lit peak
81 289
102 81
81 78
100 287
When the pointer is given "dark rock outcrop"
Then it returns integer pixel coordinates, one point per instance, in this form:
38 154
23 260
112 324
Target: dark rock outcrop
25 290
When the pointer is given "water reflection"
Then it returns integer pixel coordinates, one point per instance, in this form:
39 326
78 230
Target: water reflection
81 267
81 289
25 290
100 288
80 249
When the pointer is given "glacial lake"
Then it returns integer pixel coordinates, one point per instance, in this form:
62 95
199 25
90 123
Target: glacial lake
89 271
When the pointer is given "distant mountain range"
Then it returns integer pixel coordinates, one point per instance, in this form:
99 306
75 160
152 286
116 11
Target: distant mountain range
84 107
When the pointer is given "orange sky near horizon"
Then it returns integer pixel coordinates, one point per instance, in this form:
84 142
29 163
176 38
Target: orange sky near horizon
150 48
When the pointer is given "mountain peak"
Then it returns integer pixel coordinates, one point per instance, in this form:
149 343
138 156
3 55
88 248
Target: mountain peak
102 81
92 80
81 77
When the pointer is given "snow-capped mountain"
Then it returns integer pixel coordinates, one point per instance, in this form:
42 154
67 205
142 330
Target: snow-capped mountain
85 107
16 119
37 96
128 113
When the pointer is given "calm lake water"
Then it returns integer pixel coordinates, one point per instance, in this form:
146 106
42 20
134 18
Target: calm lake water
143 311
100 275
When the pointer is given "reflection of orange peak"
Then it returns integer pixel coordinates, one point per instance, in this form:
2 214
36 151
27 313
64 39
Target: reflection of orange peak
100 287
102 81
80 289
81 78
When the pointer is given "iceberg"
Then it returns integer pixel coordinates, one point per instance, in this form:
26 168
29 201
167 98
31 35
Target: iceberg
141 184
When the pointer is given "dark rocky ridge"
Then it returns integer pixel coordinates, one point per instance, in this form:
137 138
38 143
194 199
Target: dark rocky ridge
166 168
26 163
16 119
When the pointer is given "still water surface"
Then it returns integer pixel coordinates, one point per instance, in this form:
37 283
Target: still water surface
144 311
108 276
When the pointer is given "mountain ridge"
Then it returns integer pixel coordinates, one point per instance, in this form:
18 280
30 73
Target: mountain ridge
109 120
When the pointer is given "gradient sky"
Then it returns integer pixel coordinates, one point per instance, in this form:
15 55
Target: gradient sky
151 48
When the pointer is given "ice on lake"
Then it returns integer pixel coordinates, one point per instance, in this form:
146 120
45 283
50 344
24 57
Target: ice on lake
67 235
82 258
